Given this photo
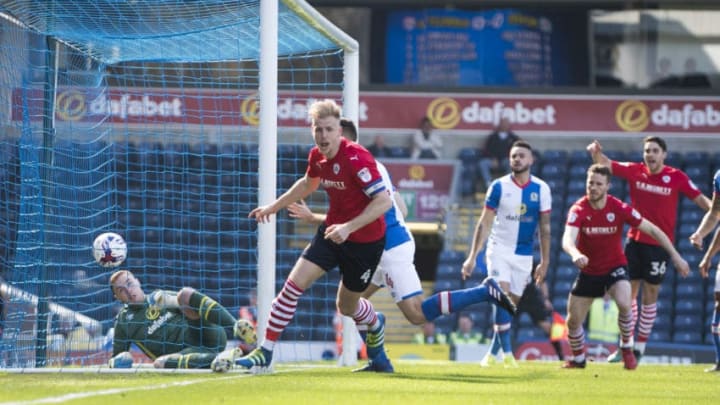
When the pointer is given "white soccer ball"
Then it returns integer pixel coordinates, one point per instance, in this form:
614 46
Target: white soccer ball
109 249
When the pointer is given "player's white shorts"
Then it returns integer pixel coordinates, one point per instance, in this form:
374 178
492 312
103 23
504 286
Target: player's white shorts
511 268
717 279
396 271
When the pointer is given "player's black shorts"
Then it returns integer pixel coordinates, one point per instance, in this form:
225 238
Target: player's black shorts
646 262
596 286
532 302
357 261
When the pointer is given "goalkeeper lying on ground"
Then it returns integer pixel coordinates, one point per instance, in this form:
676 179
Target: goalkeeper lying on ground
184 329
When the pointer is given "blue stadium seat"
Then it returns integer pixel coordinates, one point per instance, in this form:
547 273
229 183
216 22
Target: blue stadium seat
691 216
696 156
699 172
572 197
688 290
663 321
689 306
660 336
556 156
665 303
576 186
451 256
674 159
564 260
580 157
557 187
554 171
578 171
687 322
687 337
447 271
709 306
617 155
560 302
634 156
526 334
562 287
524 320
448 284
685 230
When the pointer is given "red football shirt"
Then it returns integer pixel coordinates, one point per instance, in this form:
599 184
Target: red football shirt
350 179
600 236
655 195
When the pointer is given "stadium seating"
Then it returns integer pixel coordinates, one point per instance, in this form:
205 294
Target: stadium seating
687 337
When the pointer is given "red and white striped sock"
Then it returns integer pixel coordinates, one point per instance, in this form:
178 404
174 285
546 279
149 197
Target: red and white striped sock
365 315
648 313
576 338
282 312
626 333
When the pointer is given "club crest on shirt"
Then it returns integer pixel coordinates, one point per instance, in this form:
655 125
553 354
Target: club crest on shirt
534 197
666 179
364 175
610 216
336 168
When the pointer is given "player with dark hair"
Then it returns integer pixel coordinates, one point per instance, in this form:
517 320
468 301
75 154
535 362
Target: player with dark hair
516 208
397 269
593 239
176 329
708 222
351 238
655 189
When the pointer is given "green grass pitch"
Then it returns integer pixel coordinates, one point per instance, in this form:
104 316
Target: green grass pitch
437 383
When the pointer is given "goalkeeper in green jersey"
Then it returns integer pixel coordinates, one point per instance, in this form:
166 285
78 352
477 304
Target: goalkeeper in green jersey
183 329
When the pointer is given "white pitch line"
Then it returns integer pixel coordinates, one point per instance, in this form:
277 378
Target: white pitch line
81 395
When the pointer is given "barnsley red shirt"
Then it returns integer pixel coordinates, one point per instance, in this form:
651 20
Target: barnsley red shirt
655 195
350 179
600 236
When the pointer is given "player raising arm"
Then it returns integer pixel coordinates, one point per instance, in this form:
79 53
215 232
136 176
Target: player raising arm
593 239
655 190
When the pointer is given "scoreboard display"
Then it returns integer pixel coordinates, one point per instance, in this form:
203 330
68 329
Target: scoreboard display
475 48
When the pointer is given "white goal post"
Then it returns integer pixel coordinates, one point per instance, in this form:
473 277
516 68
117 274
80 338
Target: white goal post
268 143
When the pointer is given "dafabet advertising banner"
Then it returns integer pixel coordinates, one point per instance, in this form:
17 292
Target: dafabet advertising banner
560 114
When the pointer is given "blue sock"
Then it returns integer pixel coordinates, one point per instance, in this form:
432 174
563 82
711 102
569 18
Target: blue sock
446 302
716 334
503 317
495 344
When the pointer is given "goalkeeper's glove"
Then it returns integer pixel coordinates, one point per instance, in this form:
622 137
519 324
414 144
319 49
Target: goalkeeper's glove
161 299
122 360
245 331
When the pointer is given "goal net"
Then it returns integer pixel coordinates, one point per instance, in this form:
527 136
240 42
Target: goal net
143 118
